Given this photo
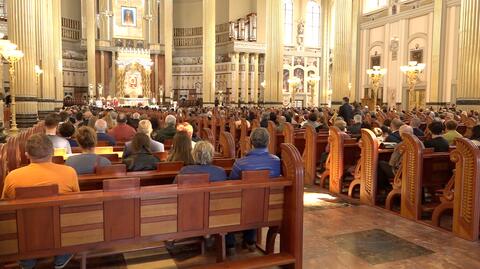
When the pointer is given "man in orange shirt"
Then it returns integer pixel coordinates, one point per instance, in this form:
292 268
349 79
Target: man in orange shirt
41 171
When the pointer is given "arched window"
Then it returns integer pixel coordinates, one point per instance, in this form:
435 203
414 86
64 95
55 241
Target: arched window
288 22
312 33
372 5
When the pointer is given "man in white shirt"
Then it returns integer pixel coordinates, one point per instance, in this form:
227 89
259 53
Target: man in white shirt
51 124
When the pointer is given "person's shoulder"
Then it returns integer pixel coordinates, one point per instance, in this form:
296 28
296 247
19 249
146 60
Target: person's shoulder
60 168
274 157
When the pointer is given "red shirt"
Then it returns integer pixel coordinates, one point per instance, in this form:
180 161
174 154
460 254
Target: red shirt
122 132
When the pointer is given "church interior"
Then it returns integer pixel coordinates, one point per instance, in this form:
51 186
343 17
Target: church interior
239 134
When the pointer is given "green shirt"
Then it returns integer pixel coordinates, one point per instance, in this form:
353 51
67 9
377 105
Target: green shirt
451 135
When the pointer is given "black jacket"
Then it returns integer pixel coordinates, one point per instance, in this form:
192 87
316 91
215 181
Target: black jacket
439 144
394 137
346 112
355 128
141 162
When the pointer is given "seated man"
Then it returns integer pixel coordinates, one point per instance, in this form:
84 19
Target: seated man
169 131
395 135
123 131
144 127
41 171
357 124
101 128
257 159
387 170
438 143
451 132
51 124
415 123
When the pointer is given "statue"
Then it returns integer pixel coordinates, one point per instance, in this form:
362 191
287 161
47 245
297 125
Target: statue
300 32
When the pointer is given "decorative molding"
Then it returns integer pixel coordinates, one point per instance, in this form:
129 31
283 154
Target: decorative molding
423 10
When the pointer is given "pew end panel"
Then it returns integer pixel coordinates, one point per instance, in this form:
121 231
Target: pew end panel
466 204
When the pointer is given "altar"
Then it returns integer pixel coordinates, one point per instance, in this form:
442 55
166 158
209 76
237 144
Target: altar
133 102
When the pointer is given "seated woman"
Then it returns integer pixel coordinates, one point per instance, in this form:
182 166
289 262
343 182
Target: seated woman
203 157
181 150
86 162
141 158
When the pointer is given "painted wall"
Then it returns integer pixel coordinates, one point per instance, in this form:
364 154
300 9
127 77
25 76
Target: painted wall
71 9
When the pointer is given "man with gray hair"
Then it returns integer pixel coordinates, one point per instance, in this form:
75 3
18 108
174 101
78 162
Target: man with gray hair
169 131
101 128
357 124
387 170
257 159
144 127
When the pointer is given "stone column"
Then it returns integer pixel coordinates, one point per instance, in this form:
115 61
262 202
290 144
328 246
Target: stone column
274 53
235 77
45 58
208 84
341 51
468 94
245 83
435 97
324 77
102 73
21 31
255 83
57 52
168 41
90 29
103 9
113 90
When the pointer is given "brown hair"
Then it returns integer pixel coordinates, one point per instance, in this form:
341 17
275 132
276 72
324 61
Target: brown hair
86 137
39 146
140 142
451 125
182 149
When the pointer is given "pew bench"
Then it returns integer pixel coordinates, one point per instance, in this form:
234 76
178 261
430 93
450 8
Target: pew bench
40 223
422 169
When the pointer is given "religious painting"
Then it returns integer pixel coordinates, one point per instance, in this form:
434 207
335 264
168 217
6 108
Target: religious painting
128 19
375 60
129 16
299 73
133 83
416 55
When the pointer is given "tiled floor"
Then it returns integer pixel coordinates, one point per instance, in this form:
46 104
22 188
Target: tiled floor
337 235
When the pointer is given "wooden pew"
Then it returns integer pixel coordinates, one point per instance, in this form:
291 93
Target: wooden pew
227 145
421 168
463 195
343 156
370 155
51 224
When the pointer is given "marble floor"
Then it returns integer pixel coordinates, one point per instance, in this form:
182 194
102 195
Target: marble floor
337 234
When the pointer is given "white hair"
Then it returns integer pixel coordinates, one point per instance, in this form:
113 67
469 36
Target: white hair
101 126
145 127
170 120
357 118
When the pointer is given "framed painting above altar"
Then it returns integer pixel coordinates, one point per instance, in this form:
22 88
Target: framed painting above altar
128 19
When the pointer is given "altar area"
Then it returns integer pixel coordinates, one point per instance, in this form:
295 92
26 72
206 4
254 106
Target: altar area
133 83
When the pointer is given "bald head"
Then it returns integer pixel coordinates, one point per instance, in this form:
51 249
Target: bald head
396 124
101 126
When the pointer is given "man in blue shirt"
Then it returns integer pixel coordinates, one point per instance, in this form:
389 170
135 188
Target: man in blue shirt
257 159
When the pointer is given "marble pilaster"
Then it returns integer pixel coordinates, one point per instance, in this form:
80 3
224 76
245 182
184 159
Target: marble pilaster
468 93
208 80
90 30
274 53
21 31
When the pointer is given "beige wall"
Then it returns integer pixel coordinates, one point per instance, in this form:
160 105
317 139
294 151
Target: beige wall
240 8
71 9
412 28
187 14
